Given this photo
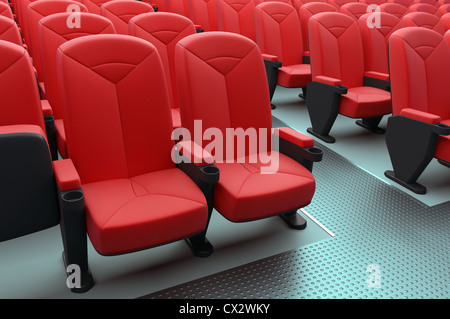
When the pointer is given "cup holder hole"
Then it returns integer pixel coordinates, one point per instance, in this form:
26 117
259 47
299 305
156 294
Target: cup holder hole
72 196
210 170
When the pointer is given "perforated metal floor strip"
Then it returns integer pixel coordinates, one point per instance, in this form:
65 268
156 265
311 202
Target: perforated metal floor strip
386 245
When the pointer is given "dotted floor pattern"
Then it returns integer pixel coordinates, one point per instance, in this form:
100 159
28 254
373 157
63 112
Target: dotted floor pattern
387 245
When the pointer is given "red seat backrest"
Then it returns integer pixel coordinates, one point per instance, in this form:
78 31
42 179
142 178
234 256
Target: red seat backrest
204 13
335 48
419 62
20 101
445 19
375 40
237 16
395 9
164 30
93 6
425 20
298 3
425 7
118 121
405 3
121 11
306 12
54 31
376 2
354 9
430 2
9 31
222 81
178 6
340 3
36 11
5 10
278 32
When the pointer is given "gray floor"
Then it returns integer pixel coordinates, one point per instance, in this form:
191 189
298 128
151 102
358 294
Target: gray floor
373 223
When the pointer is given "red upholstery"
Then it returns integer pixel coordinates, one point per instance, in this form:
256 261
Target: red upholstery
445 8
135 197
5 10
52 32
430 2
36 11
161 4
337 52
226 70
425 7
22 21
419 63
237 16
164 30
93 6
339 3
395 9
121 11
278 33
18 88
425 20
178 6
354 9
298 3
9 31
375 40
376 2
306 12
445 19
204 13
405 3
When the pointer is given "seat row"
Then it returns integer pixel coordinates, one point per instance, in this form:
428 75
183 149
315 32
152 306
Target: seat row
124 183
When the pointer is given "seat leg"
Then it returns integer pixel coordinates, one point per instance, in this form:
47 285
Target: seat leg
272 77
294 220
371 123
200 245
303 94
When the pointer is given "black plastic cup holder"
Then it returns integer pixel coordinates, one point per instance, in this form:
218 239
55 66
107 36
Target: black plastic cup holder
72 196
315 150
210 170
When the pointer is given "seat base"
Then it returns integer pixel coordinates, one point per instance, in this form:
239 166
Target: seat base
414 187
294 220
200 248
86 280
326 138
376 130
273 106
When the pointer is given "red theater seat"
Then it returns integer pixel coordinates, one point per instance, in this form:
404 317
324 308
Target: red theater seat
418 131
125 188
395 9
425 20
375 2
354 9
298 3
340 84
339 3
306 12
279 37
425 7
430 2
405 3
164 30
93 6
237 16
445 19
52 32
226 70
121 11
35 12
27 188
375 40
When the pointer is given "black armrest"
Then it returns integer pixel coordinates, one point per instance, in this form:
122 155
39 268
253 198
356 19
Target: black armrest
377 83
272 67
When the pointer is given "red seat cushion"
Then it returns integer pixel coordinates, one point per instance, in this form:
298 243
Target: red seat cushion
123 215
365 101
243 193
294 75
